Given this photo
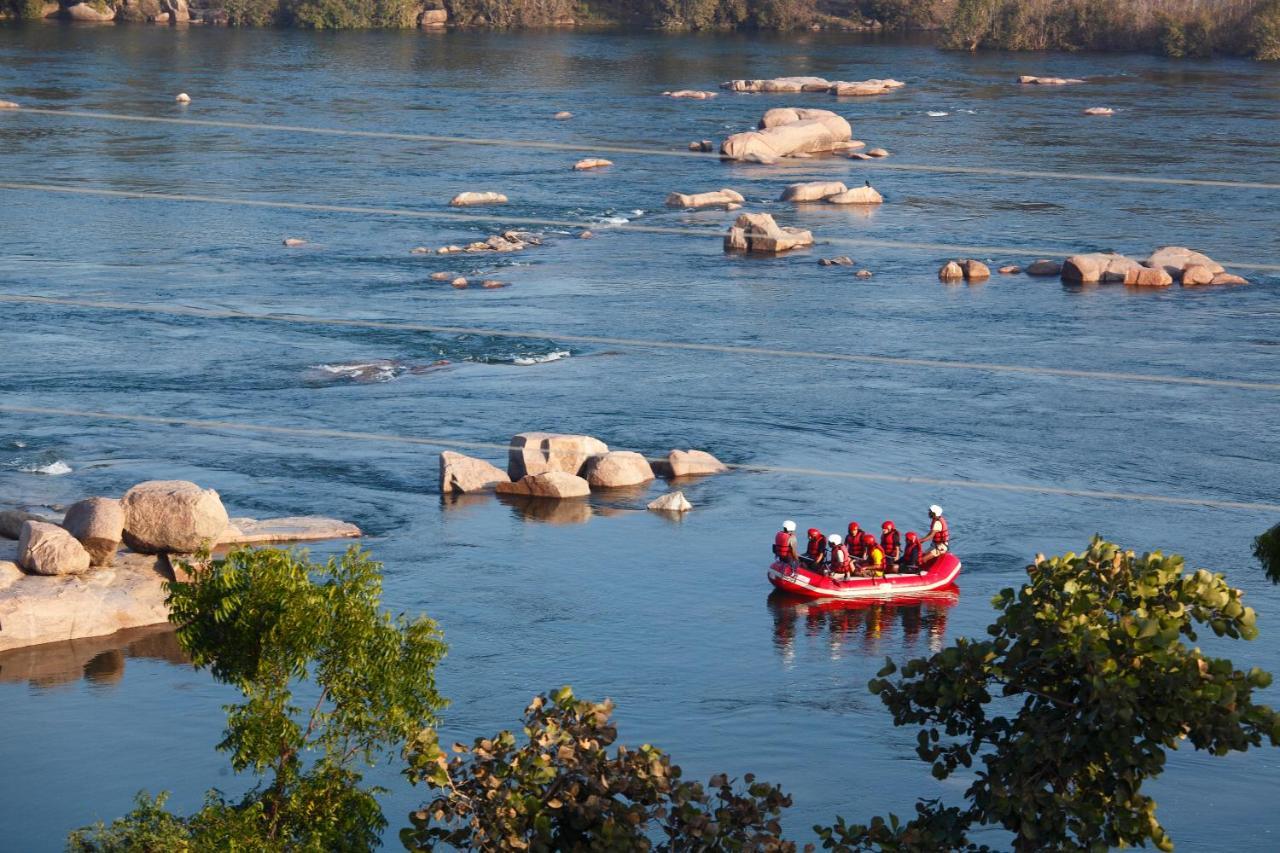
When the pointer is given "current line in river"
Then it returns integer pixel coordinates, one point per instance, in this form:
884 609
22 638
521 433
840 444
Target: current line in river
639 343
394 438
611 148
449 216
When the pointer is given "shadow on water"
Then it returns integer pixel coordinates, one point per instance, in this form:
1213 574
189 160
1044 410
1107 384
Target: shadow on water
98 660
914 624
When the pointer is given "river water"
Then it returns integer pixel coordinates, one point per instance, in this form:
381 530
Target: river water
672 619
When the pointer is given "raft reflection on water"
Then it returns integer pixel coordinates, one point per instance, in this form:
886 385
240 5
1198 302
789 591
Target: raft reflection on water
863 622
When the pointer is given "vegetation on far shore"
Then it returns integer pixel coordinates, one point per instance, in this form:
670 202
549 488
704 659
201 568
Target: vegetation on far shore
1085 682
1175 28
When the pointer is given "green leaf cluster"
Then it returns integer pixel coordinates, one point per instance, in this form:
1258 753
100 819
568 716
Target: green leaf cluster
1088 679
561 789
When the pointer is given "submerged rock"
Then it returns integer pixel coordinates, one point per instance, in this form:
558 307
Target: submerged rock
11 521
8 105
1228 278
837 261
538 452
689 463
182 98
703 145
617 468
591 163
549 484
1011 269
294 242
459 473
1099 111
563 115
172 516
693 94
1027 79
757 232
877 153
671 502
98 524
812 191
716 198
1044 267
467 199
857 195
47 549
294 528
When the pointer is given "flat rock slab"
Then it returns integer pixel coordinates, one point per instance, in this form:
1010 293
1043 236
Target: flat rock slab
298 528
46 609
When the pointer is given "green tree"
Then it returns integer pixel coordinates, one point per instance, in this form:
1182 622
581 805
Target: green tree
1267 549
329 682
1264 30
1086 683
561 790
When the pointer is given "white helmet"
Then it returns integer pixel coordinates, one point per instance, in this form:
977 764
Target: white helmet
834 539
935 510
789 526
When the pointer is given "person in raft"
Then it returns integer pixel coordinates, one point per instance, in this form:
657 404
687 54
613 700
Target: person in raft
890 543
785 547
857 550
938 536
815 554
838 563
873 563
910 560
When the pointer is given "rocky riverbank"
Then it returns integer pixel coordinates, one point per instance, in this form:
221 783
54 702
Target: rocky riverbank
103 565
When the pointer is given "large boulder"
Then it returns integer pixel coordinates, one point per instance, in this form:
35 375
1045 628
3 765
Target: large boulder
690 463
1147 277
172 516
538 452
717 198
1044 267
433 19
779 116
467 199
1174 259
1194 274
951 271
549 484
1097 266
813 135
857 195
47 549
11 521
98 524
975 270
812 190
757 232
89 13
459 473
863 88
618 468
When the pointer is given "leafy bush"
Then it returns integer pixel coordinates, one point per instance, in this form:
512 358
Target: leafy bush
1267 549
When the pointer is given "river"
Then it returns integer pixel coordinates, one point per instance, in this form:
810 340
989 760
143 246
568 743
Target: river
670 619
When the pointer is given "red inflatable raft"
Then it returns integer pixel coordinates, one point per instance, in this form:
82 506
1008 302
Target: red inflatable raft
941 573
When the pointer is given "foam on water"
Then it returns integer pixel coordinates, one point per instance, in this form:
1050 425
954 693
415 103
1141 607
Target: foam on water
53 469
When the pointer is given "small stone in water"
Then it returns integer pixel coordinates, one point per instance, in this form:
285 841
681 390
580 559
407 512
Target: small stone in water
460 282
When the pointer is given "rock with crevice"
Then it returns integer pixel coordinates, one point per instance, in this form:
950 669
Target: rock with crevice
548 484
538 452
616 469
461 474
98 524
757 232
433 19
1147 277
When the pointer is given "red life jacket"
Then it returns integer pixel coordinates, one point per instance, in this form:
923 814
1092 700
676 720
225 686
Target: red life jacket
943 534
891 544
856 549
817 549
911 555
782 545
839 558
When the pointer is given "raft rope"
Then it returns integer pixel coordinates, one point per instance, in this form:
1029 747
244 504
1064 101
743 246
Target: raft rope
449 216
580 147
638 343
348 435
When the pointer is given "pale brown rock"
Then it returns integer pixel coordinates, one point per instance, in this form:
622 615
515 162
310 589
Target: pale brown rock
671 502
1147 277
11 521
1028 79
951 271
460 282
757 232
1097 266
974 270
863 88
812 135
1044 267
294 528
716 198
8 105
563 115
98 524
1012 269
294 242
692 94
549 484
864 274
858 155
692 463
877 152
468 199
182 98
1173 259
38 609
779 84
838 261
812 191
89 13
442 276
172 516
1195 274
857 195
702 145
779 116
1099 111
459 473
179 11
47 549
493 284
433 19
617 468
591 163
537 452
585 235
1228 278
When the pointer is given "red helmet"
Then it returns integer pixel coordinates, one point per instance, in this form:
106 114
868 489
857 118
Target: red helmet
887 526
853 527
868 539
912 536
814 533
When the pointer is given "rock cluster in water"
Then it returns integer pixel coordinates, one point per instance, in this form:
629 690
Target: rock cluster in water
757 232
790 132
1165 266
102 566
841 88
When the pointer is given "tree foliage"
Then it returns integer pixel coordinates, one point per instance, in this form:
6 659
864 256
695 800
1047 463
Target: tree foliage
1267 549
562 790
1072 704
329 682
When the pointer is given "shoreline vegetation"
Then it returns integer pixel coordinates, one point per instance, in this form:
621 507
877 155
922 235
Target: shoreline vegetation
1174 28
